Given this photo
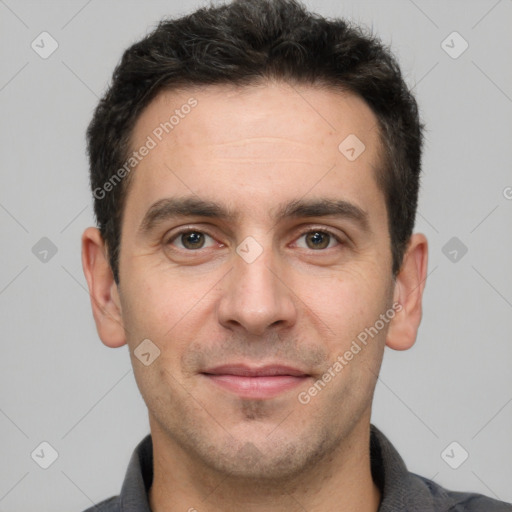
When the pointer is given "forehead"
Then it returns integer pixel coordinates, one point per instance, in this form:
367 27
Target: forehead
267 140
223 112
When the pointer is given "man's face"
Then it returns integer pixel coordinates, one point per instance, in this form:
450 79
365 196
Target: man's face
263 288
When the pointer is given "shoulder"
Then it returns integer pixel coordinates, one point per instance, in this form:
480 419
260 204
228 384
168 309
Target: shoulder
455 501
403 490
108 505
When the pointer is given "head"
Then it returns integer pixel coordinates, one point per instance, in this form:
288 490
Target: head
255 170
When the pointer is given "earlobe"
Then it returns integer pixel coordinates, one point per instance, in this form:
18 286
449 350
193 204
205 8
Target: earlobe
409 286
103 291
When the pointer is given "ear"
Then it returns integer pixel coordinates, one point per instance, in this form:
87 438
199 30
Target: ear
408 292
106 307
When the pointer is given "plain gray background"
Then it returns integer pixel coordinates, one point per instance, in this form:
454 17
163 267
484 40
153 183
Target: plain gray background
59 384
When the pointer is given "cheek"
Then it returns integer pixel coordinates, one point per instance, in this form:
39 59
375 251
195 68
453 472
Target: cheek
151 307
348 301
169 309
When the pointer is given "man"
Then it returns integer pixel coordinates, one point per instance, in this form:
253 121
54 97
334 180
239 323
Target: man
255 170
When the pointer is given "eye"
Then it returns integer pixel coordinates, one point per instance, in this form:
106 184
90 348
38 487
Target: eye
319 239
194 240
190 240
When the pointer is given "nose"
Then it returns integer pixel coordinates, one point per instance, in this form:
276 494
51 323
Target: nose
256 298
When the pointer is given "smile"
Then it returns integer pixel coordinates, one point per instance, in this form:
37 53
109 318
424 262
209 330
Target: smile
256 383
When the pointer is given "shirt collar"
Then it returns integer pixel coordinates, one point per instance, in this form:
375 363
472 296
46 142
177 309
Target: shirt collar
401 491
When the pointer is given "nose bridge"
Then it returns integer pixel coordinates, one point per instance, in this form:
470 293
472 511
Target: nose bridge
254 297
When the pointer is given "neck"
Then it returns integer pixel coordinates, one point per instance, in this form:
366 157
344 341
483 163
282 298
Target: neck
341 482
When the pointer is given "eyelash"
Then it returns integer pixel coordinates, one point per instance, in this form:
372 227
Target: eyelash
310 230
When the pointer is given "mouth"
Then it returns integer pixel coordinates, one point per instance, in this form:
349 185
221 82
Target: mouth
256 382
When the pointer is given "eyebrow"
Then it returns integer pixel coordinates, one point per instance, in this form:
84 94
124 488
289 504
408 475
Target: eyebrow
190 206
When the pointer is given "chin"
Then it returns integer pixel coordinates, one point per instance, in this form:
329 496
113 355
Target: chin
258 457
252 463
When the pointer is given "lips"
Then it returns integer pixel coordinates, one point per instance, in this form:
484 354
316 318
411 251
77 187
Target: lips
255 382
247 371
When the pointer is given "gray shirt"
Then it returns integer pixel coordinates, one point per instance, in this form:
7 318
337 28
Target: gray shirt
402 491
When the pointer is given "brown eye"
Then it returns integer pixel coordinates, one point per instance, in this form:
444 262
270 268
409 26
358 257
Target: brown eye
317 240
190 240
